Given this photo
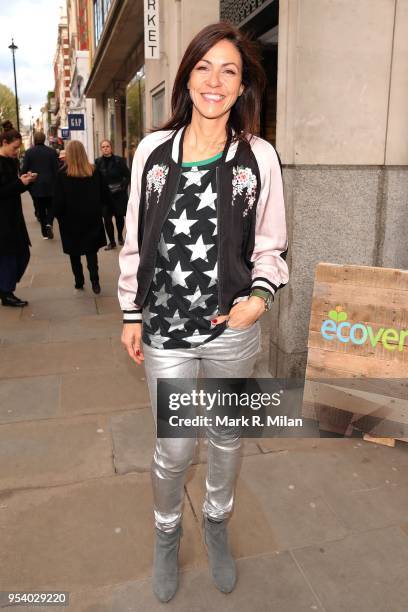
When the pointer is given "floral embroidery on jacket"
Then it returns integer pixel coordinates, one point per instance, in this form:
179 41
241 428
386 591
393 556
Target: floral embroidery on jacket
156 178
244 179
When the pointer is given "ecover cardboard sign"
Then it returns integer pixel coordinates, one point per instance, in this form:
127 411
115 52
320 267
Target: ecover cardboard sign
357 367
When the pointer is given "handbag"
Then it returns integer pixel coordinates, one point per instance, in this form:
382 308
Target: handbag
115 187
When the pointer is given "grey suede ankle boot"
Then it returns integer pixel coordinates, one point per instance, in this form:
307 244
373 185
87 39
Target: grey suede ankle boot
221 562
165 563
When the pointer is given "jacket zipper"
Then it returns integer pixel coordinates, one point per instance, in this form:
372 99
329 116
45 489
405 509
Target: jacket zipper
161 228
220 305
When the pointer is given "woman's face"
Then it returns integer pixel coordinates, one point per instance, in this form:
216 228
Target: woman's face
106 148
215 81
11 149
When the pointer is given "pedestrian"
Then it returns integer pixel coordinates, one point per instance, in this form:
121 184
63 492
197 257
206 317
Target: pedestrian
117 175
80 194
61 158
42 160
204 255
14 239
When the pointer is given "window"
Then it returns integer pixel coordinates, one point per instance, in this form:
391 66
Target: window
106 7
135 112
98 20
158 108
101 11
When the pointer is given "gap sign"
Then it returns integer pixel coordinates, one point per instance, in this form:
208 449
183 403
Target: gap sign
76 122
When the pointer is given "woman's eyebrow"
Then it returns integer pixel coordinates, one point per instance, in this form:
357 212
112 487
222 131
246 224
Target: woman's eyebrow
224 64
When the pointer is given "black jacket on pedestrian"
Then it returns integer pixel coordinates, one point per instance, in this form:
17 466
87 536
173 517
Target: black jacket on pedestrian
78 204
117 176
14 238
44 161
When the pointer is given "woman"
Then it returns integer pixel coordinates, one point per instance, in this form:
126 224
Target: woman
80 195
61 159
14 240
204 255
117 175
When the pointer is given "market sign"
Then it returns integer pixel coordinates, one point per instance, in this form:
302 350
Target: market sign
76 122
151 29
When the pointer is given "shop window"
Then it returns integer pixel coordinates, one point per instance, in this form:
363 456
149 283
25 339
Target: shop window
158 108
111 121
135 112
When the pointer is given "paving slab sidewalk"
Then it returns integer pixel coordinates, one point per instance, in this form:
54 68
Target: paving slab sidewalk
317 524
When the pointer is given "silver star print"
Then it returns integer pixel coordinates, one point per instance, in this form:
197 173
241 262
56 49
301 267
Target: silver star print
176 322
196 337
194 176
147 315
213 276
214 220
182 224
207 198
197 299
162 297
176 199
199 249
157 340
178 276
163 248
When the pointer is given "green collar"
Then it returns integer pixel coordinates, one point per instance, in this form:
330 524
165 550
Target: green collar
202 162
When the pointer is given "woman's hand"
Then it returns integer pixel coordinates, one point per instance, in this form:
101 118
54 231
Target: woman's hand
132 340
243 314
28 178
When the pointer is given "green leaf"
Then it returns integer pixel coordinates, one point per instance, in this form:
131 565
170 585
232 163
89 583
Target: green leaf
341 316
333 314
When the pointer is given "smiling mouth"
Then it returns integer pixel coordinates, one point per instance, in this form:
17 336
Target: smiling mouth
212 97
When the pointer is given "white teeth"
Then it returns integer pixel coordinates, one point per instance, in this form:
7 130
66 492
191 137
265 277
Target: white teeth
213 97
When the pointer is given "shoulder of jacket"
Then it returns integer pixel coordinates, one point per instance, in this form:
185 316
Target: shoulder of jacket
264 152
260 145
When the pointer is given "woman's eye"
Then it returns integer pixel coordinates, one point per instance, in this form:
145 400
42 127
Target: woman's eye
230 72
202 68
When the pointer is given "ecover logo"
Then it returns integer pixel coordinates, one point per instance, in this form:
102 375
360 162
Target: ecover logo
337 326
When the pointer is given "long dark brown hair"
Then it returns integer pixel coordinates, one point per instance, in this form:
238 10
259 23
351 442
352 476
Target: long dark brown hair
244 114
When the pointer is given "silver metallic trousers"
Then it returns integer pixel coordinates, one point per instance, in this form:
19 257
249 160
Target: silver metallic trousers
230 355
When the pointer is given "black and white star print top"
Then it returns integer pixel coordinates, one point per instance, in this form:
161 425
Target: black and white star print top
183 297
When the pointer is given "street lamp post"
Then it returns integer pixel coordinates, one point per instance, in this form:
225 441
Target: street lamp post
13 49
31 131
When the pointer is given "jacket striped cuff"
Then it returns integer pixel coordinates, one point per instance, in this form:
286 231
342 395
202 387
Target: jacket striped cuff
132 316
260 282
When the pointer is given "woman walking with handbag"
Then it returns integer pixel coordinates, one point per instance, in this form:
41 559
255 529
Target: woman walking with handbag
80 195
117 176
204 255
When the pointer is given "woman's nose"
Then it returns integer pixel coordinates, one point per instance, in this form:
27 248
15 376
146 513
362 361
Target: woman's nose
214 78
